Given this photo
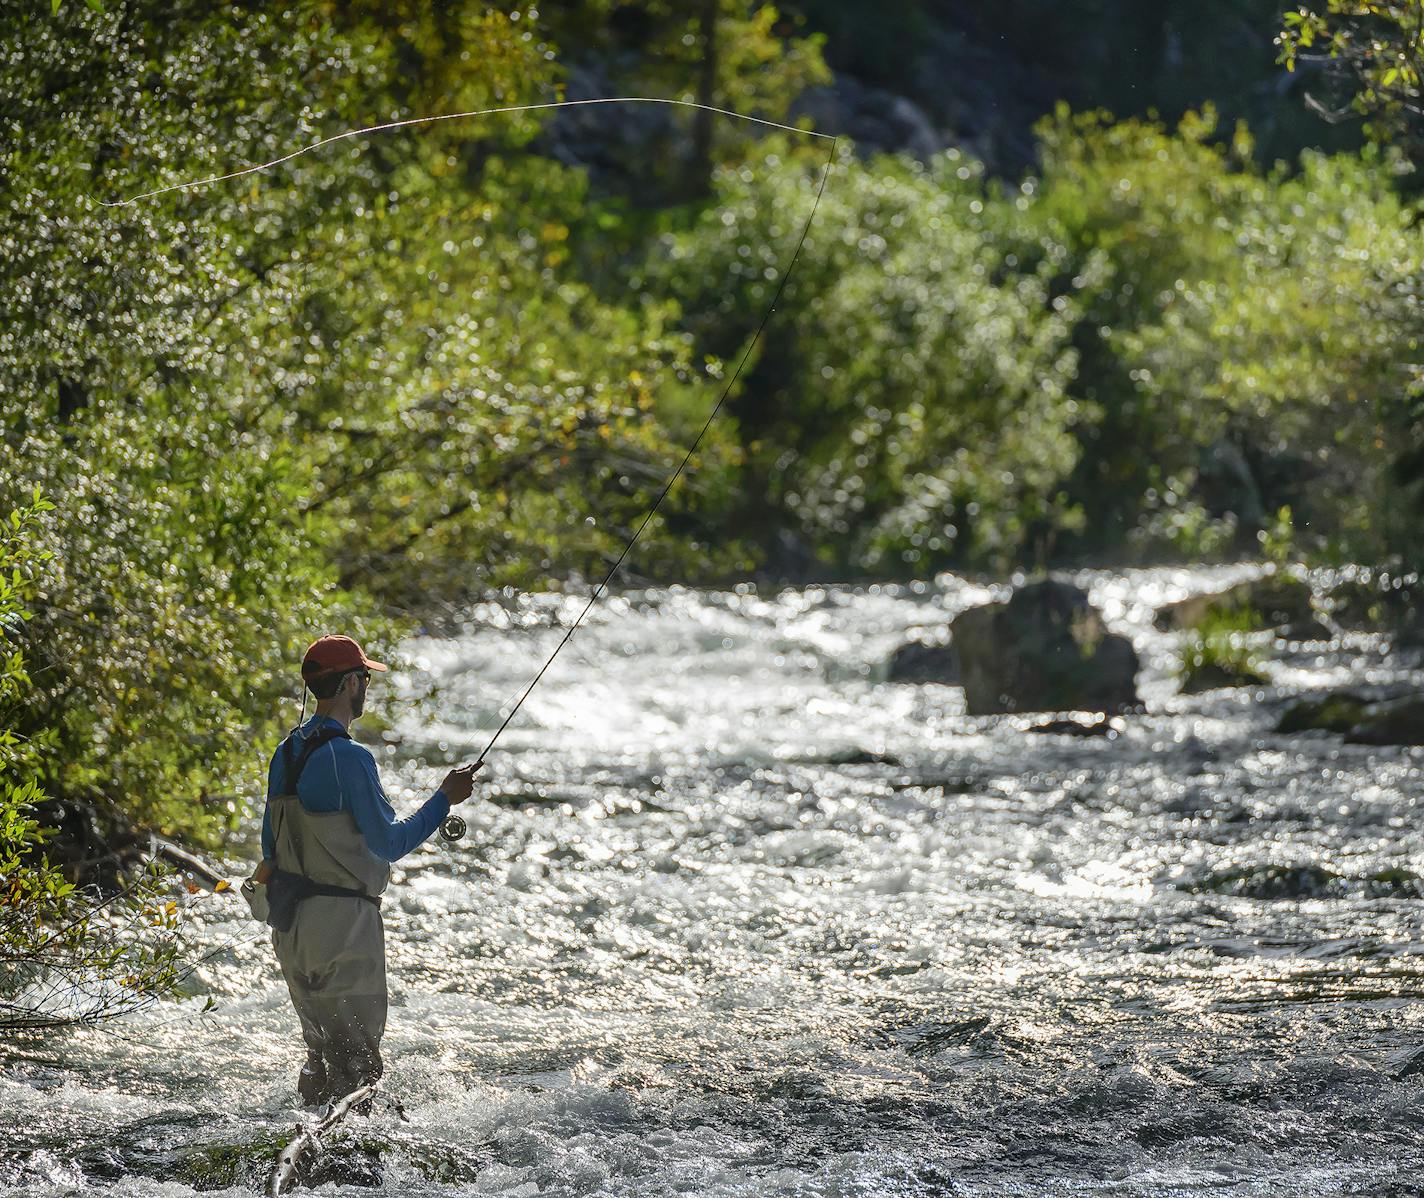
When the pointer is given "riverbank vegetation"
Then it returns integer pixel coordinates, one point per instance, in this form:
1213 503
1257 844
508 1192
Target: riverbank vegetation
411 367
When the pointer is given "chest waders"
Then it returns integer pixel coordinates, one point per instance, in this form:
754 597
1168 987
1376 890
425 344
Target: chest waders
333 951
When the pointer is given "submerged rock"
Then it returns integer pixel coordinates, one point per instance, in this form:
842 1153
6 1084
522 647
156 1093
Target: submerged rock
1111 728
1215 675
1338 711
862 757
1046 649
1396 721
1307 882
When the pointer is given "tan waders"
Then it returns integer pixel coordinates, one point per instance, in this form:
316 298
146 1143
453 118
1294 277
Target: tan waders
334 955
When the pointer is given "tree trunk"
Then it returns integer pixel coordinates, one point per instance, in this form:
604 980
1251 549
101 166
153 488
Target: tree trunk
698 181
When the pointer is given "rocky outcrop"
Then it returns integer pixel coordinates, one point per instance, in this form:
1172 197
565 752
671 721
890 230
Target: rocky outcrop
878 121
1046 649
1279 600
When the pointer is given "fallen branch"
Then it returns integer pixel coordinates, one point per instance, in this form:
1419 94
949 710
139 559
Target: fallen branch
284 1173
186 863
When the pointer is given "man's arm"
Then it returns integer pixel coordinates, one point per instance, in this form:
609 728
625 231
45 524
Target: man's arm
388 838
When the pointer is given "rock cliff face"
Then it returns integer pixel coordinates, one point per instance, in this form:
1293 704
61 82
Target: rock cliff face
1046 649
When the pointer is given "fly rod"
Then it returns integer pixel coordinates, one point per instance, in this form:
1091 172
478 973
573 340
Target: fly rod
454 827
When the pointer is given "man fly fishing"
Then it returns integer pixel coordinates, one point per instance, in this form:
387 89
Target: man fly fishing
329 834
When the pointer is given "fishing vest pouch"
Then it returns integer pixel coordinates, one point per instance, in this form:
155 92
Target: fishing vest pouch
254 893
285 890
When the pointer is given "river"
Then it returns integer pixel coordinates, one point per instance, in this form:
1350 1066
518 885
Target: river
736 916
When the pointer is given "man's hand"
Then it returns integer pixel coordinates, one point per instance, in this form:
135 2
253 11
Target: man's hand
459 782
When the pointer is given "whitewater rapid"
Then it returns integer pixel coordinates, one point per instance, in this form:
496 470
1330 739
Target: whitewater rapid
735 915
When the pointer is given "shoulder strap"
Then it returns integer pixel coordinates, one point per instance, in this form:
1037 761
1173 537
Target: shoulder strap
295 767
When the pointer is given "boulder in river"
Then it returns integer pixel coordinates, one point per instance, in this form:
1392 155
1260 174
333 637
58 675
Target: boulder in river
1218 675
1280 600
1338 711
923 661
1046 649
1108 726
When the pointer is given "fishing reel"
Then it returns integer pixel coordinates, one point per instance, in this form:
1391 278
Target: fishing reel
453 829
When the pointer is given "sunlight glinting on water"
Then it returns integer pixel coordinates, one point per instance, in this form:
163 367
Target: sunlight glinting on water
735 915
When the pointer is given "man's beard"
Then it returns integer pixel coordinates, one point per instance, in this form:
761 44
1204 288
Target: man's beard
358 704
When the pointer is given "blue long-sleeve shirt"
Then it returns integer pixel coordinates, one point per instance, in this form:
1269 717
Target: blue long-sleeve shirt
342 776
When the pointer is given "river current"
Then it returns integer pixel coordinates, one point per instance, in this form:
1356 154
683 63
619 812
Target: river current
737 916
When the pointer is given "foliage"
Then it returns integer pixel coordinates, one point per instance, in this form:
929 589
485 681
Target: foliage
1248 341
1373 55
369 372
1219 652
64 956
909 404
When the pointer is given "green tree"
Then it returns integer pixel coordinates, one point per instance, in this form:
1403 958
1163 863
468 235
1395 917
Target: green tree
1371 53
366 378
908 407
1267 312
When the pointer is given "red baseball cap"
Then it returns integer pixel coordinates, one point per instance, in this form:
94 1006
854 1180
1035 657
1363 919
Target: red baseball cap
333 655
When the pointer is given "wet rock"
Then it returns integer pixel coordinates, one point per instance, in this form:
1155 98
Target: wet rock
1379 600
1338 711
1280 601
1046 649
1398 722
1111 728
1408 1062
862 757
1394 721
922 661
1274 881
1215 675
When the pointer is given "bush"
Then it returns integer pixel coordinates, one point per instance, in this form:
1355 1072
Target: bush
909 405
66 956
1219 653
1249 342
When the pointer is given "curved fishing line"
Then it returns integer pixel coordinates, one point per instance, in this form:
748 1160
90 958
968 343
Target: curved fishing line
455 821
454 116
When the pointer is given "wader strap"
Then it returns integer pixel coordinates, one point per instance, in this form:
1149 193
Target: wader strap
296 765
285 890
